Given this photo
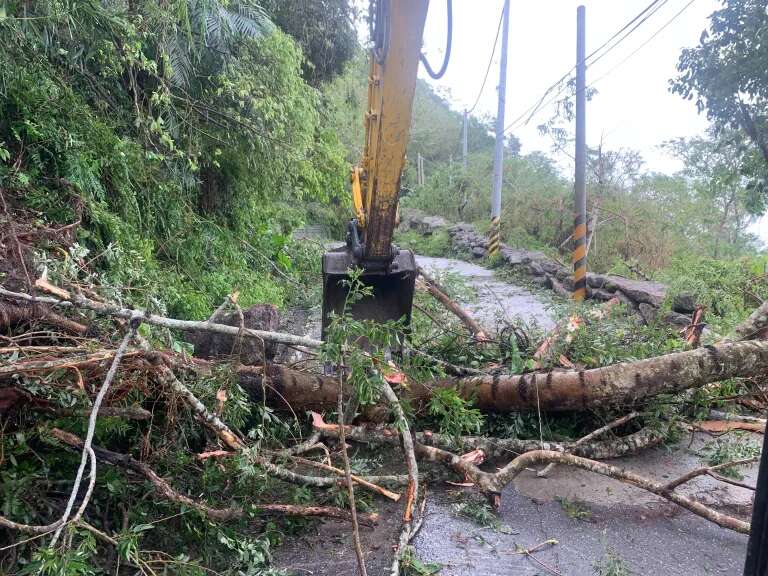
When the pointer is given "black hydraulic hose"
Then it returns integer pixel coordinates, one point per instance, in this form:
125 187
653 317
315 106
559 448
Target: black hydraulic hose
378 21
439 74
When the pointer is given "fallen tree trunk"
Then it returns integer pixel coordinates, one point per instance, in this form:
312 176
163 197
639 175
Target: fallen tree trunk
619 384
755 326
438 292
11 315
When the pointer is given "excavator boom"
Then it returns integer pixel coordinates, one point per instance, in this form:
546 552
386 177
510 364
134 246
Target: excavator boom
391 273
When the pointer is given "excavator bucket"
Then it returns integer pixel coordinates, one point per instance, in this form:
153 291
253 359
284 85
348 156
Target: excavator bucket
393 285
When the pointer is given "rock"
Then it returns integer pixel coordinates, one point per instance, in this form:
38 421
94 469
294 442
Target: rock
478 251
535 268
600 294
534 255
677 319
648 312
428 225
684 303
258 317
568 283
550 267
408 216
626 300
542 281
563 273
512 256
639 290
595 280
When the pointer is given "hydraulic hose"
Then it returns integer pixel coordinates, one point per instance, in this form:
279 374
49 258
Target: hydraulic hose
439 74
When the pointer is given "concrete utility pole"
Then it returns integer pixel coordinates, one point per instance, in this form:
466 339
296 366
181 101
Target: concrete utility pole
498 153
580 192
464 139
419 170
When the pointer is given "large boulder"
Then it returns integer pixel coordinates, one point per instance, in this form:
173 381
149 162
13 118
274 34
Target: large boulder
513 256
647 312
535 268
428 225
638 291
685 303
248 350
550 266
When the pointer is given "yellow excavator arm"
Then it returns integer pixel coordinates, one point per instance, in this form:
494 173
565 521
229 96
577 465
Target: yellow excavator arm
391 273
391 87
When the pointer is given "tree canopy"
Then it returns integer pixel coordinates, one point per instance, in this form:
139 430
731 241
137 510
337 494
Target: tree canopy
725 74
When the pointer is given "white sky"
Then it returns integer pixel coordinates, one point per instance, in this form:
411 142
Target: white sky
633 107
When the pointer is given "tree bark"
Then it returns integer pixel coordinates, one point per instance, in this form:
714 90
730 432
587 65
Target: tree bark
755 326
619 384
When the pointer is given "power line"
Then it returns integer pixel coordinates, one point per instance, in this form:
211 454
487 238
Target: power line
653 7
644 44
490 61
627 25
645 14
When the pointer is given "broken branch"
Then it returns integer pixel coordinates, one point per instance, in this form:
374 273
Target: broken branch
165 490
79 301
432 286
594 434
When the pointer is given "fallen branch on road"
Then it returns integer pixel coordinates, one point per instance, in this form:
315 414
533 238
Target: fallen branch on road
433 287
165 490
491 484
592 435
500 447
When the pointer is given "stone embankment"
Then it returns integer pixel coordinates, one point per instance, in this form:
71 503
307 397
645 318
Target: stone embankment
645 297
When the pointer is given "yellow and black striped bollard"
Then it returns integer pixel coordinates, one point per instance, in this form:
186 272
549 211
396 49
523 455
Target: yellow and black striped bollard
493 237
580 258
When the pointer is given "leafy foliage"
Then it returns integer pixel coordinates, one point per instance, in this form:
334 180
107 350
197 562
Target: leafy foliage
324 29
729 449
611 564
179 132
454 414
725 75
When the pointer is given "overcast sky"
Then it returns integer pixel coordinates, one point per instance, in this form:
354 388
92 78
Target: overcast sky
633 107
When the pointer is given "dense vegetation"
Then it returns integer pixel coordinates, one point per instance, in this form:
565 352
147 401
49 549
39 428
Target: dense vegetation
184 136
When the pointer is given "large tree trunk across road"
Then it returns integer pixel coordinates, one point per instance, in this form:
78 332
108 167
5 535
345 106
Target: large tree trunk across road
619 384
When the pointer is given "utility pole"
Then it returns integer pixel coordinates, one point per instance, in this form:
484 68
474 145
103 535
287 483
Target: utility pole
464 140
419 170
580 182
498 153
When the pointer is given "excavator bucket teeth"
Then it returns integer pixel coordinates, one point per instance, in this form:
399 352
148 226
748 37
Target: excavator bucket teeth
392 285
